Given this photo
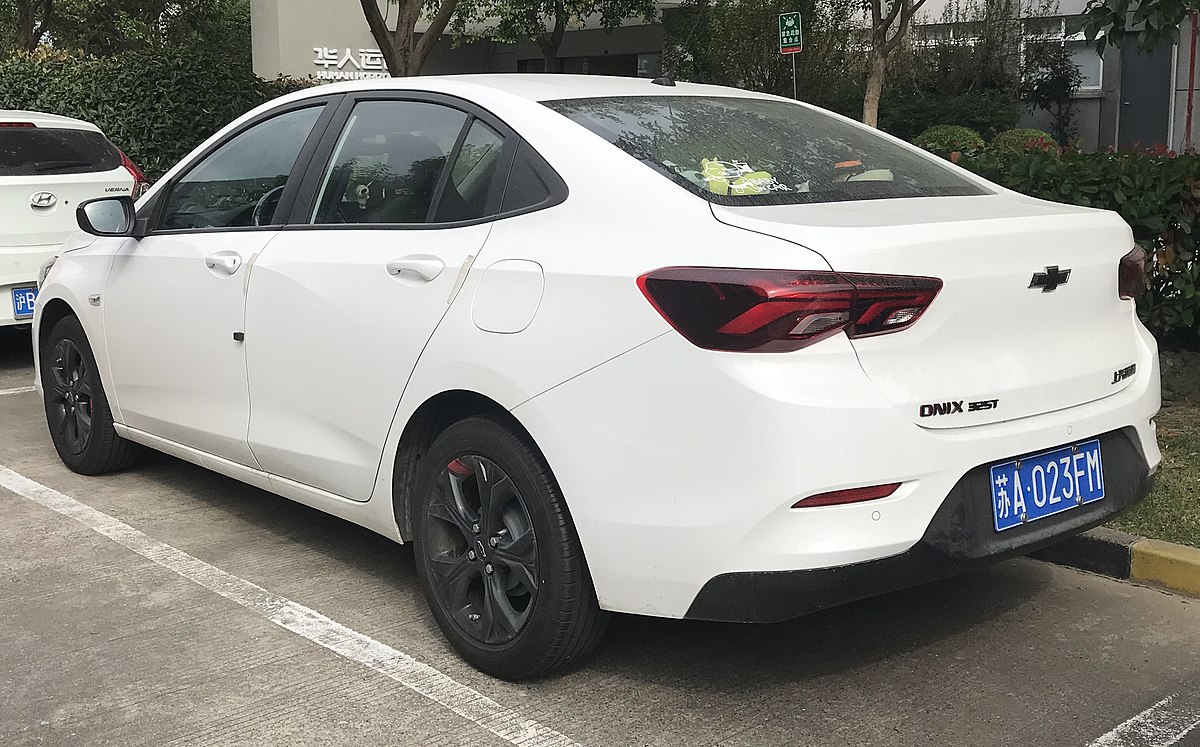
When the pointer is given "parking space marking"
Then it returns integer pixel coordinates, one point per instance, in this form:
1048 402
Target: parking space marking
17 390
1163 724
421 678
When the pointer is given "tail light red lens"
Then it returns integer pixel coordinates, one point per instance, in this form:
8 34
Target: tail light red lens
140 183
1131 274
852 495
782 310
22 125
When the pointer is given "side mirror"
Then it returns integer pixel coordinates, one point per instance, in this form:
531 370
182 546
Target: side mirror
107 216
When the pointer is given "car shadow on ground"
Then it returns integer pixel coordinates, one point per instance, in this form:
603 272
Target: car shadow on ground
16 350
701 657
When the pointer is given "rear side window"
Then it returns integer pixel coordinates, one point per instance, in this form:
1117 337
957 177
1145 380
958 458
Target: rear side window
526 188
749 151
31 151
388 163
467 193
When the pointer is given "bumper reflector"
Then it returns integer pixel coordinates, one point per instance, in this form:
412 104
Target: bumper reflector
850 495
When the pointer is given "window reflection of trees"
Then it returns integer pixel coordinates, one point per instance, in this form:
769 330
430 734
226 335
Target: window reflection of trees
809 154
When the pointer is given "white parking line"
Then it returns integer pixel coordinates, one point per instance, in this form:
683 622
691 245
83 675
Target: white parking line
1161 725
17 390
397 665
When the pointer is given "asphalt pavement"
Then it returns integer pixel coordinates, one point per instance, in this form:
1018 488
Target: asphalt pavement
172 606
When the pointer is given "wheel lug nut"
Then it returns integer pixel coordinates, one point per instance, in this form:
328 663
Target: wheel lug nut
488 569
494 541
475 528
470 555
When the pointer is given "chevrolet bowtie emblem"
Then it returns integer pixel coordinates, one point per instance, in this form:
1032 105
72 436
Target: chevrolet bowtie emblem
1050 279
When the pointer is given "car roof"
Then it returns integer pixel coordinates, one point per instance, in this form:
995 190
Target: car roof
536 86
41 119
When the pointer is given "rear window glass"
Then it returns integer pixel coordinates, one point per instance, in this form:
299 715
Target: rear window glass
30 151
745 151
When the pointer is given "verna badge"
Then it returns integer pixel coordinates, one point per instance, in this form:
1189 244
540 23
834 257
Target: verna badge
1050 279
42 200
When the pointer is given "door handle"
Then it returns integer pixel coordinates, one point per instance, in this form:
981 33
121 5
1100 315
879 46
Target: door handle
226 262
423 267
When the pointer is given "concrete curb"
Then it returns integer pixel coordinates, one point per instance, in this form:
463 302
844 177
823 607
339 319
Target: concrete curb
1129 557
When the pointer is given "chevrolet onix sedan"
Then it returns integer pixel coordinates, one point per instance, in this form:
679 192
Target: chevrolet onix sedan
611 345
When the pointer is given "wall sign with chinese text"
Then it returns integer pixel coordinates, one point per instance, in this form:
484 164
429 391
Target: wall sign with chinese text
336 64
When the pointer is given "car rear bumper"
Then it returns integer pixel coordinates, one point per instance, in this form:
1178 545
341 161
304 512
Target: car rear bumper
681 466
960 536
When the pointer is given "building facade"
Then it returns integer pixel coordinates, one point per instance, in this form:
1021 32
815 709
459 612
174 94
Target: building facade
1127 98
329 40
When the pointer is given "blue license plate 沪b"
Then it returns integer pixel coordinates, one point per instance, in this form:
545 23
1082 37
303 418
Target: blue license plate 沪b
23 300
1045 484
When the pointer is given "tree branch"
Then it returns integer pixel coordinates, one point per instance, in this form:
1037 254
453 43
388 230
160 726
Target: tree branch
375 21
433 33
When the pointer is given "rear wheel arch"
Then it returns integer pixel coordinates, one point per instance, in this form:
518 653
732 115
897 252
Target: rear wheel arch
427 422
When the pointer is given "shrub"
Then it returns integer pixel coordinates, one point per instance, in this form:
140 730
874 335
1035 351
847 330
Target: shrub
947 139
1158 195
156 106
906 114
1023 138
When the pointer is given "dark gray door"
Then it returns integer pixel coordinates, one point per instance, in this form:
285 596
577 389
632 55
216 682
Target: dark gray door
1145 96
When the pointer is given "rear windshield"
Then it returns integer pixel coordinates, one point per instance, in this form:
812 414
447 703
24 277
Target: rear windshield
28 151
744 151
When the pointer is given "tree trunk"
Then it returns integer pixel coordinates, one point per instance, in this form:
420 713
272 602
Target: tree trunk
876 68
403 53
29 29
551 43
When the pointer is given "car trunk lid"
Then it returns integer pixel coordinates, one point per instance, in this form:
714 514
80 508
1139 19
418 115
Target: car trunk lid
991 347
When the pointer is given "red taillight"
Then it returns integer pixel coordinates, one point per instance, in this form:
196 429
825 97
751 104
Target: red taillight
852 495
24 125
780 310
140 183
1131 274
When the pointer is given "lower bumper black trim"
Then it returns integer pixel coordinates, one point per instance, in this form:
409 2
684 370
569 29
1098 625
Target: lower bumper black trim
960 536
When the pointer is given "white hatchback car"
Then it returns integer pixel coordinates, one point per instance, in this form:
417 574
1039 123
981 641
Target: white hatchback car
611 344
48 165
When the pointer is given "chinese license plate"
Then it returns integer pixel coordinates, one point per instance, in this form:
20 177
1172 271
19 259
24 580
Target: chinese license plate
23 300
1045 484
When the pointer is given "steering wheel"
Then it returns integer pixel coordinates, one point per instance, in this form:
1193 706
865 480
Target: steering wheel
271 198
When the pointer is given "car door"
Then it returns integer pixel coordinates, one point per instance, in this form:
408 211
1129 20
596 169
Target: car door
174 302
341 304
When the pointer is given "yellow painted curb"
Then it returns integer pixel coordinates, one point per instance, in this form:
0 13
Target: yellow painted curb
1164 563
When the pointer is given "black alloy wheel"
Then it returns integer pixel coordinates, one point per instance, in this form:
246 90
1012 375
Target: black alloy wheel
77 412
69 400
497 552
482 550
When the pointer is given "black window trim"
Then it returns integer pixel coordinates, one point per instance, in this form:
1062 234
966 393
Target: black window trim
152 212
301 209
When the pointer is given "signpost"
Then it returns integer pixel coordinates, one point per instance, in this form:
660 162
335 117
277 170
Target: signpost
791 40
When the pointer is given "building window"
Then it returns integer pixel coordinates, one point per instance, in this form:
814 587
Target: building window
1091 65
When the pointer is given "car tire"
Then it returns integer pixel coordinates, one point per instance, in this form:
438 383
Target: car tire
505 577
77 411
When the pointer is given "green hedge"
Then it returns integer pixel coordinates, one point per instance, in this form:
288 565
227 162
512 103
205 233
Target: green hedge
947 139
156 106
1157 194
1023 138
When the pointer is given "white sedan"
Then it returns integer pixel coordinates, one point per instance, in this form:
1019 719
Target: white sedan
604 344
48 165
